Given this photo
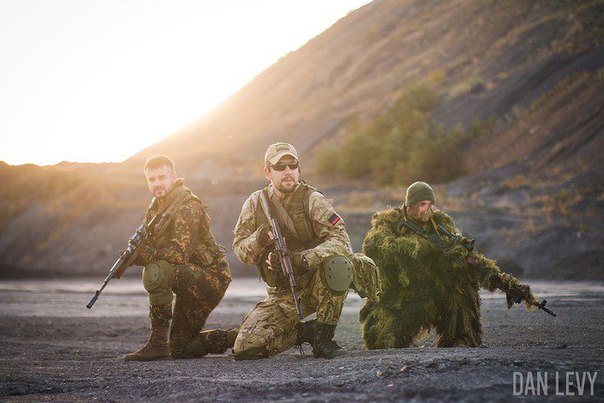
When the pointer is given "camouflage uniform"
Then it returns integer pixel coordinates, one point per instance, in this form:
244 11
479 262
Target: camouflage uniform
183 258
270 328
422 287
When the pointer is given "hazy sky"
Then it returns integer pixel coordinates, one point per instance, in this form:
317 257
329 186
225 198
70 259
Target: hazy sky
98 80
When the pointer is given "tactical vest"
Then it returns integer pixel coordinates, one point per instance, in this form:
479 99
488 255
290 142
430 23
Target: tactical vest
299 211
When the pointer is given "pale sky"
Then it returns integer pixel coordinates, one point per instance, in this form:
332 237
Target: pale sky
99 80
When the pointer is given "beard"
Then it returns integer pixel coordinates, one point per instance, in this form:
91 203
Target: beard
287 185
160 191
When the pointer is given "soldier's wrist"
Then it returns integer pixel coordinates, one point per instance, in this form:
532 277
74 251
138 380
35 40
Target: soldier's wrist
299 261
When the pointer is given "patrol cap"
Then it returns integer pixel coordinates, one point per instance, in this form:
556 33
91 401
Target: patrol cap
419 191
276 151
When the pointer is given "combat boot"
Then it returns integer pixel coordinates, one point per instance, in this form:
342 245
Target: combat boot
306 333
215 341
324 346
156 347
218 341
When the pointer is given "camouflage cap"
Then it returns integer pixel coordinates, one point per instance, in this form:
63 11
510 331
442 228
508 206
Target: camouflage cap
276 151
419 191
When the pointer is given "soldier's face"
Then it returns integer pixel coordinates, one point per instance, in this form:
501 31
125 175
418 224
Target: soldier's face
286 180
421 211
160 180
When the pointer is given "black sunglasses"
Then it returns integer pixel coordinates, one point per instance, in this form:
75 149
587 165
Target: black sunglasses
281 167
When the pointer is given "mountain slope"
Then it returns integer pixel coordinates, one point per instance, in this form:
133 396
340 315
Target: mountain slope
533 193
486 57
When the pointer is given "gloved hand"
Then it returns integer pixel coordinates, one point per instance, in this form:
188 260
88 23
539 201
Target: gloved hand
517 294
264 235
299 263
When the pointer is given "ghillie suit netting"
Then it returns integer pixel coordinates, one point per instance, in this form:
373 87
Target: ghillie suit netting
422 287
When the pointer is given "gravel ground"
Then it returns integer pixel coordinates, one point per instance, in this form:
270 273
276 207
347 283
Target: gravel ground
54 349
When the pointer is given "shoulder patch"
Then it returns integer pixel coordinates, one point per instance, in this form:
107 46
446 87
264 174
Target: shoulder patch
334 219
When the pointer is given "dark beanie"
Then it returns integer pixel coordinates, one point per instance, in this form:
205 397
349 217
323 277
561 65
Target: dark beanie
419 191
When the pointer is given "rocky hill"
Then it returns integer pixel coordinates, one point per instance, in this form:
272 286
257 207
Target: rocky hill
532 192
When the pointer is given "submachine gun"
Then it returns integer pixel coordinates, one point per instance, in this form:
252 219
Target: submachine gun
136 243
283 252
444 245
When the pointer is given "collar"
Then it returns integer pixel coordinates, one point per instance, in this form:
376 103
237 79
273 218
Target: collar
286 196
173 193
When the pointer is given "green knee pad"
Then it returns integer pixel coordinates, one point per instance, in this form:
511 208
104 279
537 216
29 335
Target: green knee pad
336 273
158 280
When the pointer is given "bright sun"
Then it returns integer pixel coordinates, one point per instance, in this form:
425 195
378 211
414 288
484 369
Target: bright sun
99 81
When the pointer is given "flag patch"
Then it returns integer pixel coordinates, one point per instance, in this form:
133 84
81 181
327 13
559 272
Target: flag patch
334 219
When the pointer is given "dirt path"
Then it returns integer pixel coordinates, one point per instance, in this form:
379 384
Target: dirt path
53 349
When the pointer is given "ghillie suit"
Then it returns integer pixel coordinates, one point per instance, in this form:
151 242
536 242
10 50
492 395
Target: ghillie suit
421 287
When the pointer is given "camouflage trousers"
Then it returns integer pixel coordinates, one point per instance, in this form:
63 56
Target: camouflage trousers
271 327
198 291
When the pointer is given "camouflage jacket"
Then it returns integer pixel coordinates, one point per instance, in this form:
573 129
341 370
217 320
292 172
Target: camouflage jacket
183 234
327 225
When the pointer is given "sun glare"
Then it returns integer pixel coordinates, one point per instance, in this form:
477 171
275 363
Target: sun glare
99 81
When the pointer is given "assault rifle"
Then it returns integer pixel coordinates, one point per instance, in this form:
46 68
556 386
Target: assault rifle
135 244
444 246
283 252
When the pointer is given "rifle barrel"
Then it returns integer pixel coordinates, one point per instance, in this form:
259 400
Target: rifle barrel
542 306
93 300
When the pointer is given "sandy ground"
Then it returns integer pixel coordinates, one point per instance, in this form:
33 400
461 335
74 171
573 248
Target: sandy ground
54 349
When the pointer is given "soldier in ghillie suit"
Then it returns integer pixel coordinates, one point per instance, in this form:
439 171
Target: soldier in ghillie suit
182 258
423 286
320 251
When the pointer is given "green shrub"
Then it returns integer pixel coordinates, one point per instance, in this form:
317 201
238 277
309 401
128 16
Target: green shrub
399 145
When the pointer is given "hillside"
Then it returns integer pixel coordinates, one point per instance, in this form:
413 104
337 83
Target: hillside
485 57
532 192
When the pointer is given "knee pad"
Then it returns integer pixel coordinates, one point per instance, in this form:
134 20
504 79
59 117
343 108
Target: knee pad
336 273
158 279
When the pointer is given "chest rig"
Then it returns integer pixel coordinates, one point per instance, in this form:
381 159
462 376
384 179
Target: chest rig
298 210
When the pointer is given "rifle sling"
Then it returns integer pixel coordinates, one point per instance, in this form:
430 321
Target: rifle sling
279 212
415 228
162 218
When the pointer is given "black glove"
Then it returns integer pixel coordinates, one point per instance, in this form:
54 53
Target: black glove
517 294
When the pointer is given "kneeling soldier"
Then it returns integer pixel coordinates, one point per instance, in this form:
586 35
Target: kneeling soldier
182 258
320 251
426 280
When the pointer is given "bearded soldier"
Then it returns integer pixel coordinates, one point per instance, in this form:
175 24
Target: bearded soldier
423 286
317 238
182 258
